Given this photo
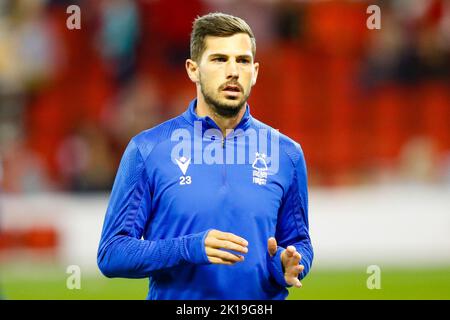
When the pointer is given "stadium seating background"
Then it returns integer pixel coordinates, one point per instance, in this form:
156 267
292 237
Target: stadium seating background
369 107
374 100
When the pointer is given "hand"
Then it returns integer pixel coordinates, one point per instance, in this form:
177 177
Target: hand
217 240
290 260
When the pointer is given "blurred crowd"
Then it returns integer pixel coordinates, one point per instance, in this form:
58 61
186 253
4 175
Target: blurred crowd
367 106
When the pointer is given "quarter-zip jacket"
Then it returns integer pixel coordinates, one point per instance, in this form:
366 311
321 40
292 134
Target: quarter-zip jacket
179 180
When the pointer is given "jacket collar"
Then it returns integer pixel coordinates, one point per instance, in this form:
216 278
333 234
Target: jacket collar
208 123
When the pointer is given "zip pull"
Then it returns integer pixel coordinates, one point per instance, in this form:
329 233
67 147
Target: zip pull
223 143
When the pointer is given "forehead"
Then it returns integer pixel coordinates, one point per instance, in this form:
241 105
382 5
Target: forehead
237 44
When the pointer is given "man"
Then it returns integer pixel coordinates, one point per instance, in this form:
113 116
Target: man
191 215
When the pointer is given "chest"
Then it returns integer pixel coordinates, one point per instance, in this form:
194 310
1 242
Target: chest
224 184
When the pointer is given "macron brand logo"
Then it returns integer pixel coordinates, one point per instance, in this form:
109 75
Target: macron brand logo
183 163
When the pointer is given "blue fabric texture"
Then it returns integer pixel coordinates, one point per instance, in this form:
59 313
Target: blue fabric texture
276 268
181 179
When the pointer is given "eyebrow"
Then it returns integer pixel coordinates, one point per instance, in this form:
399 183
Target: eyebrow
221 55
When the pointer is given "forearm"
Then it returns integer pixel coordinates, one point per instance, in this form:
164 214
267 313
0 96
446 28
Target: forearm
128 257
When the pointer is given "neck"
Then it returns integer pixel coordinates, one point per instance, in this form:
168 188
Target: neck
224 123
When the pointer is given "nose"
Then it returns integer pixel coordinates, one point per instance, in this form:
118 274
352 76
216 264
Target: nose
232 70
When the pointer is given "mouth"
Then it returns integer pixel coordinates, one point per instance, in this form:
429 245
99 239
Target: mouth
232 89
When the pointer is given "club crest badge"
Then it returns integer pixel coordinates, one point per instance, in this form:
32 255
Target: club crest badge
260 169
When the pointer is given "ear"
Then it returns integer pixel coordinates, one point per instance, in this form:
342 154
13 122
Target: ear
192 70
255 75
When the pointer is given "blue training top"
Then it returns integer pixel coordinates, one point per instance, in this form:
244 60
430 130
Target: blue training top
181 179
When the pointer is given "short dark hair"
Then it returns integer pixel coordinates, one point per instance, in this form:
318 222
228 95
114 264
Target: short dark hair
219 25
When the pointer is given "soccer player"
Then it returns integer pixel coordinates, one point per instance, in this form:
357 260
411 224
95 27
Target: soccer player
187 211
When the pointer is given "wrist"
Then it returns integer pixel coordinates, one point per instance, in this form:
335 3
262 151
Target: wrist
194 248
276 267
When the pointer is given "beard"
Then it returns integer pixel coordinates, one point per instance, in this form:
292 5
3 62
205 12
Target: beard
228 108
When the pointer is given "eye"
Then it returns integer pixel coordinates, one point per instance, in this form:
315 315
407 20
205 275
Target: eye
244 60
219 59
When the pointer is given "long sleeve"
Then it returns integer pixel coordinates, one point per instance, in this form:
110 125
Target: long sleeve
122 252
293 225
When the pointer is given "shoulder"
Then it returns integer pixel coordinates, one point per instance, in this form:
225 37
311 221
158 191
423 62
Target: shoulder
147 140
